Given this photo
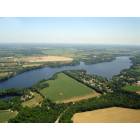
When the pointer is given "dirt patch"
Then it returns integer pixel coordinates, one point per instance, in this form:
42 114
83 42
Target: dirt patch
46 59
138 92
76 99
3 74
108 115
31 65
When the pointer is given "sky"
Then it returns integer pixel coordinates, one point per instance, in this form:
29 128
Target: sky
88 30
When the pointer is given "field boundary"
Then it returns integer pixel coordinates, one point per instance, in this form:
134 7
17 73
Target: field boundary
65 72
80 98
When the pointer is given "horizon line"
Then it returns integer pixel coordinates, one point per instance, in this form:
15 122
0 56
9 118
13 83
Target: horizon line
69 43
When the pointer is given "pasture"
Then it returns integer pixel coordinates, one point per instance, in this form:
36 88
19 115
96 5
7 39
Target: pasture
5 115
66 88
131 88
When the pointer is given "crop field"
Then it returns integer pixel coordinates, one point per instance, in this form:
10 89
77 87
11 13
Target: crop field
12 65
108 115
35 101
46 59
65 88
137 69
14 60
3 74
5 115
131 88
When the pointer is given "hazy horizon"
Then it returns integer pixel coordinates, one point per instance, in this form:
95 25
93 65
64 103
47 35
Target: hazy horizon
59 45
83 31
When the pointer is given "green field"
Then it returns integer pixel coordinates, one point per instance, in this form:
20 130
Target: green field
131 88
137 70
5 115
64 88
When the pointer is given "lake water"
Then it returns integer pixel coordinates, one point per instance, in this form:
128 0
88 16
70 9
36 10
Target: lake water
6 97
105 69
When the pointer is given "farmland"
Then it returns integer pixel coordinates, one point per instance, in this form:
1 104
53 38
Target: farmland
69 70
11 66
108 115
46 59
65 88
5 115
71 91
131 88
18 58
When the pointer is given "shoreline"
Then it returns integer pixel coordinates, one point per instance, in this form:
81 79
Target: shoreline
53 65
48 64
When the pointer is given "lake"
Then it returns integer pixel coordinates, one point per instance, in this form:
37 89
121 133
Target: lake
105 69
6 97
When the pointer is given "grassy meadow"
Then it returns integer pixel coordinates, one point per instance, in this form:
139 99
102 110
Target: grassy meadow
64 88
5 115
131 88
